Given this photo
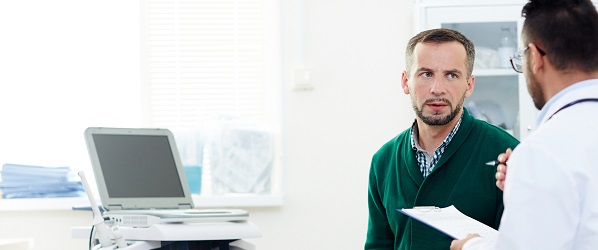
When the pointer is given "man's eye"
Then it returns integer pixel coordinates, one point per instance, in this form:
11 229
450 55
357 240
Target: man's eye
426 74
452 76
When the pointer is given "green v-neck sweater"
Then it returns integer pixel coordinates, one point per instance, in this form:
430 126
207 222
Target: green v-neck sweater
460 178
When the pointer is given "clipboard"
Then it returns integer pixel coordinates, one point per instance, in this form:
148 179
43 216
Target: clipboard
450 221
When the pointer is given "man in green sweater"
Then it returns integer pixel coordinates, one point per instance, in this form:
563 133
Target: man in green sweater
440 160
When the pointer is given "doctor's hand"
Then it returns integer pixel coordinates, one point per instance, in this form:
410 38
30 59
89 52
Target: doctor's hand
458 244
501 169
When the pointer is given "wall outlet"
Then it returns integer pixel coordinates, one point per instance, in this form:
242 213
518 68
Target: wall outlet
302 80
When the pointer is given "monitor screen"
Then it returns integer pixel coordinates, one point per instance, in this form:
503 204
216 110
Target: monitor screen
138 166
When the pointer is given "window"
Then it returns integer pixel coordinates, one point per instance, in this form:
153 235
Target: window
210 74
78 65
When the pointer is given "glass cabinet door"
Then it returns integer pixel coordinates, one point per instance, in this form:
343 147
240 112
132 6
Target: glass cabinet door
500 95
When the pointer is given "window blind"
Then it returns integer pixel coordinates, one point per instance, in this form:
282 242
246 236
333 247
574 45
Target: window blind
208 61
203 60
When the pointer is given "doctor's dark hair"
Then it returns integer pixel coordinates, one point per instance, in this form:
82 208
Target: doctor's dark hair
439 36
567 30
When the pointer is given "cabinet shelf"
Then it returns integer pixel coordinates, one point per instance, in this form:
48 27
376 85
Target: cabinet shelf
500 96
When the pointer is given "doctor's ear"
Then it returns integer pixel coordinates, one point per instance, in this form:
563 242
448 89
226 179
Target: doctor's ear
536 57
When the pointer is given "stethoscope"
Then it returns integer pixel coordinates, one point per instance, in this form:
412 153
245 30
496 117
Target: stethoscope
573 103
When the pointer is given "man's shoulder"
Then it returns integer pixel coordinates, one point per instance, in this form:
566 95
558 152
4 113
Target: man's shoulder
393 144
495 131
472 123
398 139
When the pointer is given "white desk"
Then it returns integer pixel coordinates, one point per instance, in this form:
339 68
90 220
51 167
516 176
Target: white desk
205 231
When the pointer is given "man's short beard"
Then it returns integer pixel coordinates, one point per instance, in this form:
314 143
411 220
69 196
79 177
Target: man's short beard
437 121
534 90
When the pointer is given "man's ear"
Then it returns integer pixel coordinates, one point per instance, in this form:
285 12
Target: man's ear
536 63
405 82
470 86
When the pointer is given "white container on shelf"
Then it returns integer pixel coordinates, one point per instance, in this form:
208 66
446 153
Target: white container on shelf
507 47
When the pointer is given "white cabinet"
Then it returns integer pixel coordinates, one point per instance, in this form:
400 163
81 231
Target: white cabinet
500 95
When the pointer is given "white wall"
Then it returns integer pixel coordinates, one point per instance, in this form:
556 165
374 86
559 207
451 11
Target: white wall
355 50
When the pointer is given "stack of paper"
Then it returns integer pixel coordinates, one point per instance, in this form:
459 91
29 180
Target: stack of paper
26 181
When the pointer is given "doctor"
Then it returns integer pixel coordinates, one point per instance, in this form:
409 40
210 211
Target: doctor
551 188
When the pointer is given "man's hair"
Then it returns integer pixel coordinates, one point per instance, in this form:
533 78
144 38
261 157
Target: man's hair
439 36
566 30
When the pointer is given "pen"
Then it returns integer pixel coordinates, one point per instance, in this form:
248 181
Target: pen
495 163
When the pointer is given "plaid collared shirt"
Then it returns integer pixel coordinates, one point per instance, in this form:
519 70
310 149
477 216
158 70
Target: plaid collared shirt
425 161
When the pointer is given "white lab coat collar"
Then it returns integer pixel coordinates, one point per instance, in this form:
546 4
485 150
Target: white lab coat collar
574 92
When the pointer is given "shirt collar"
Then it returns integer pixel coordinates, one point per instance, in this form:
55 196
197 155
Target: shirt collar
562 98
415 131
